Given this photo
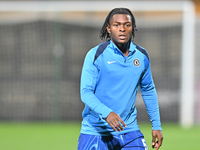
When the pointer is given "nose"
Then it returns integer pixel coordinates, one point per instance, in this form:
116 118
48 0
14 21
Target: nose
122 28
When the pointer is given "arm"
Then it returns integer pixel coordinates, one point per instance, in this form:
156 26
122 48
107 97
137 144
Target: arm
150 99
89 79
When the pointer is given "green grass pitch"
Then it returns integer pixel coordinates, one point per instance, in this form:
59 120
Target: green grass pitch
64 136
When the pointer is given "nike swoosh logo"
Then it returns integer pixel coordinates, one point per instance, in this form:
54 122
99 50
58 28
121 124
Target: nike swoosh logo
110 62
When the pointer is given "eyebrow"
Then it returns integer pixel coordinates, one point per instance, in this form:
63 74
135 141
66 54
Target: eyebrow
121 22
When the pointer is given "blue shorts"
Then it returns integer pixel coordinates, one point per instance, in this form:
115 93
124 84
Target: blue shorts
129 141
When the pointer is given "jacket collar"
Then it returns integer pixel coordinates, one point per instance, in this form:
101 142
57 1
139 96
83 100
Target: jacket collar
131 48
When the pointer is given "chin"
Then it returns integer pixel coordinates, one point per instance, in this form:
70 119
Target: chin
123 41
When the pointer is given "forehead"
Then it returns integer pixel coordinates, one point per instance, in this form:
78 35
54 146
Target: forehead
121 18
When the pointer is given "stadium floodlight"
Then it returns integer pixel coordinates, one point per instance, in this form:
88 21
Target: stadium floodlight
188 33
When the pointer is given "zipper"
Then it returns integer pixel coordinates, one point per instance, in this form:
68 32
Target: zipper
129 55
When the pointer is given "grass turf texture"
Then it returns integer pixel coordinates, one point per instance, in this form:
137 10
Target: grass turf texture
64 136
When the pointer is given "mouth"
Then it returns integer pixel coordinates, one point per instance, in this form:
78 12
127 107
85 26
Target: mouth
122 37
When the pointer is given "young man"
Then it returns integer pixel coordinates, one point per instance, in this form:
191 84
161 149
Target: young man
111 75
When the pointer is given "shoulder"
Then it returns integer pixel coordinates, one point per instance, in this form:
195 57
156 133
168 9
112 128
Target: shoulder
142 51
100 49
144 54
96 51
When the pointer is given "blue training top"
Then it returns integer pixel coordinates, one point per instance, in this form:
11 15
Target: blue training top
110 81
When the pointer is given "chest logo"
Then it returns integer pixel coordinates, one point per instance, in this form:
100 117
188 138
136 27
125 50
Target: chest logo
136 62
110 62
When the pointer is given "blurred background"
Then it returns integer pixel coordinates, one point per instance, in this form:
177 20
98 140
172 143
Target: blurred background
42 53
42 49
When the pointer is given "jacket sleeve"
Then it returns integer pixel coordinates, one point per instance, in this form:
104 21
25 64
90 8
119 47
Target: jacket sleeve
150 97
89 79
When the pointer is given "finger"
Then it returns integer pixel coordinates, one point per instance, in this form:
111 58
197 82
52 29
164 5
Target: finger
122 122
153 141
153 145
160 139
117 127
113 127
120 126
157 148
157 145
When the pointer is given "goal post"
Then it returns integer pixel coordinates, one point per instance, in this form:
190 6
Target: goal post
187 9
188 60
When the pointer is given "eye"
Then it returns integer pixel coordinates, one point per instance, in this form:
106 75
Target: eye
116 25
128 25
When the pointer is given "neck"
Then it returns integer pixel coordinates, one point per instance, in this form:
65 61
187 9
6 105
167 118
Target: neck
124 48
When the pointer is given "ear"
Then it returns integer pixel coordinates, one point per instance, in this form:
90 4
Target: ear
108 29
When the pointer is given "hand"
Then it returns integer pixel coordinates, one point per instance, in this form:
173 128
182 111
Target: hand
157 134
114 121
